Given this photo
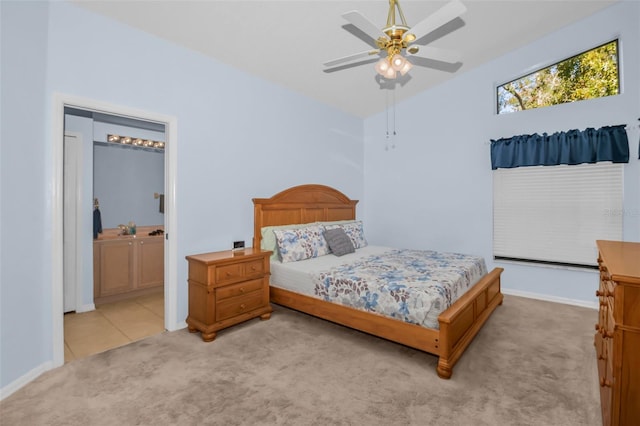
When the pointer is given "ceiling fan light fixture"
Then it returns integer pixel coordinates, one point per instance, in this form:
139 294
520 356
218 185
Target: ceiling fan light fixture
382 66
398 61
406 67
390 73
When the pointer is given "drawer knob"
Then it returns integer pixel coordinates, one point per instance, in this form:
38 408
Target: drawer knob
242 306
604 382
607 293
597 327
241 289
228 274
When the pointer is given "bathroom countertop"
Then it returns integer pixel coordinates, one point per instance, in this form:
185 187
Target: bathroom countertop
141 231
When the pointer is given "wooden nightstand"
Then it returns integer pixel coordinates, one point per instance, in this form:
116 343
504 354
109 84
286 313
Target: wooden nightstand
227 288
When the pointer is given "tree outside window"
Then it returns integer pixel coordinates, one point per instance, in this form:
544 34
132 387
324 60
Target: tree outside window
588 75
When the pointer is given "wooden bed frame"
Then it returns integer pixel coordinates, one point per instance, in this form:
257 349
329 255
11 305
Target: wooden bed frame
458 325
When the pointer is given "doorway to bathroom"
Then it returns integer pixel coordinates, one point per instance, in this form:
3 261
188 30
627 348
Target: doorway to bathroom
116 296
152 294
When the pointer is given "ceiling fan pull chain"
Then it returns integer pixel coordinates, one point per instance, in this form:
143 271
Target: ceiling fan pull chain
386 111
394 111
393 142
390 109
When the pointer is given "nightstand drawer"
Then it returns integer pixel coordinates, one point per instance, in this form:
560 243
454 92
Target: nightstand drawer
239 289
238 271
235 306
253 268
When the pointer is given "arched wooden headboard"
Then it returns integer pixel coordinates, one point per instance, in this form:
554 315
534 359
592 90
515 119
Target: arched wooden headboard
301 204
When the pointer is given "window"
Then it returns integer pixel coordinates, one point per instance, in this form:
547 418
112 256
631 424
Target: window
588 75
554 214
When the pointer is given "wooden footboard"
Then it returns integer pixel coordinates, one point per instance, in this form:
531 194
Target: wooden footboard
462 321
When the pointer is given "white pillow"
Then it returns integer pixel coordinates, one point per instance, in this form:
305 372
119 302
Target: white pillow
301 243
268 239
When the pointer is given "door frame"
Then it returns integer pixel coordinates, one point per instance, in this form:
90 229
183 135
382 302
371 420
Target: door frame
60 101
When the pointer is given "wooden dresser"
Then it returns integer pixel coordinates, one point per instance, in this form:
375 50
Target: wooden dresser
617 338
226 288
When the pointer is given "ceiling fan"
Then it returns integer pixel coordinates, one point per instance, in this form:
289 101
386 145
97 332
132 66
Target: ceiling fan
395 39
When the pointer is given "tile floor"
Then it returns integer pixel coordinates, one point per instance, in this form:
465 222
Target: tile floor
112 325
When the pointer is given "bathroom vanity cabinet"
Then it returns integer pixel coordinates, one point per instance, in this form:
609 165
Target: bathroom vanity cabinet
127 266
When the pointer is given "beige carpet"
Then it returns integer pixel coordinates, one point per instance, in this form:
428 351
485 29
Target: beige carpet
532 364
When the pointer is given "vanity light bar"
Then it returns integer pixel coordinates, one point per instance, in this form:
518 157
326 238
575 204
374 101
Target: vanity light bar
128 140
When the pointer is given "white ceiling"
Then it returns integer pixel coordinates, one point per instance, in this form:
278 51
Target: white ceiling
287 42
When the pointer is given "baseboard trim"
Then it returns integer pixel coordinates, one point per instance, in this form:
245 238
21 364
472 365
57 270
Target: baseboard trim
25 379
178 326
547 298
86 308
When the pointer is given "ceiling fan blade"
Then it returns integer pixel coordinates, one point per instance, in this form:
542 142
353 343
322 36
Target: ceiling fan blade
364 24
350 58
440 17
435 53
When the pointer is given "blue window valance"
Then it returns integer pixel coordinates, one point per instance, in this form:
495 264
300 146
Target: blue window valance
572 147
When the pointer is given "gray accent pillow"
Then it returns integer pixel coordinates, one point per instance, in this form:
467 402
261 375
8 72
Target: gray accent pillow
338 241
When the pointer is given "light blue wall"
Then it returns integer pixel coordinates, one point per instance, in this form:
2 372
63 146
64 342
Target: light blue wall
435 188
239 137
25 210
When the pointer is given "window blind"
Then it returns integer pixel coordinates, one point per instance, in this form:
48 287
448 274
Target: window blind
555 214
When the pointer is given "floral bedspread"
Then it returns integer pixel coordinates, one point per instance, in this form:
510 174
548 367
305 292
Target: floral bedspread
414 286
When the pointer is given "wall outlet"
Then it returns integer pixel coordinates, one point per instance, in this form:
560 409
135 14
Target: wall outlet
238 245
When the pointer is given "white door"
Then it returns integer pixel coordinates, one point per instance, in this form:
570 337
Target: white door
72 190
